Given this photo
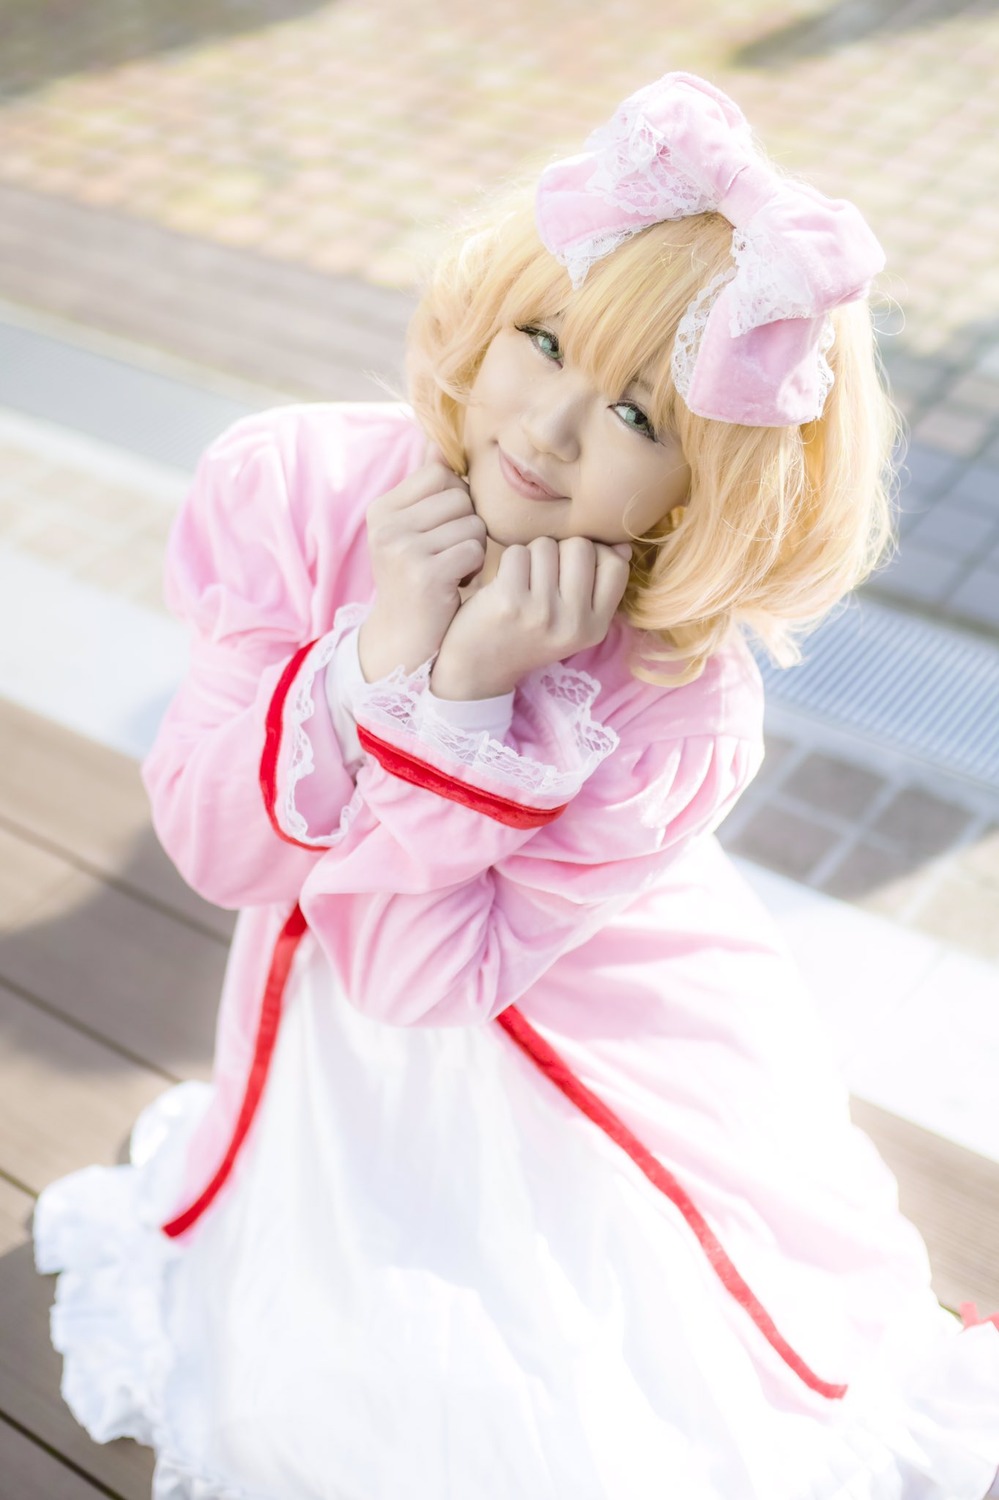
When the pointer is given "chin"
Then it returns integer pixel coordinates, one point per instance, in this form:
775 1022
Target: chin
509 519
510 534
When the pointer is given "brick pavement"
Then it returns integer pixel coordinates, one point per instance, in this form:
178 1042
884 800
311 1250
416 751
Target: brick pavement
220 154
908 844
338 135
254 186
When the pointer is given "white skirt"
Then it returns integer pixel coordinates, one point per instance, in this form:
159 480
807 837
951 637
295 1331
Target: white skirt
430 1277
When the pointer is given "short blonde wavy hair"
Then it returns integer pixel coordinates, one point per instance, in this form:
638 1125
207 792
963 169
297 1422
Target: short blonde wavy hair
780 523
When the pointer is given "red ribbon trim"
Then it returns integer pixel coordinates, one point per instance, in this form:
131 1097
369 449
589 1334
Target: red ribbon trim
272 744
267 1027
556 1069
409 768
969 1316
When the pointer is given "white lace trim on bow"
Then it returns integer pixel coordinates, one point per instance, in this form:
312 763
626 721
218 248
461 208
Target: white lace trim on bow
635 168
690 330
632 168
772 285
578 259
826 377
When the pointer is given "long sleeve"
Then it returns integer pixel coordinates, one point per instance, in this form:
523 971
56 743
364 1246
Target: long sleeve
240 574
458 953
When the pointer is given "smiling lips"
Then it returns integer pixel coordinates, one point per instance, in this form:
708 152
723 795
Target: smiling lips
525 481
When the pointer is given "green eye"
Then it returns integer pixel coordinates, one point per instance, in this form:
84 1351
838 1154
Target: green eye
545 342
633 416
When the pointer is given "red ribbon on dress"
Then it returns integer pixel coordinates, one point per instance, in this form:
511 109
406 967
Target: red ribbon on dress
558 1071
410 768
970 1318
285 948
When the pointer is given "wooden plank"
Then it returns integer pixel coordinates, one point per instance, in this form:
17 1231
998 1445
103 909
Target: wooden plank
66 1100
74 796
28 874
952 1196
32 1473
141 979
30 1369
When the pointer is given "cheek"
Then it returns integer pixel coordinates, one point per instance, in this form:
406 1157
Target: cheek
657 489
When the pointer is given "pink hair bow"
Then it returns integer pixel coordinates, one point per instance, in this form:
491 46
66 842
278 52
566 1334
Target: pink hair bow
751 346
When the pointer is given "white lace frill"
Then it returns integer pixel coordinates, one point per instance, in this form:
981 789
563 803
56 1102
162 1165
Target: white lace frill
558 698
690 330
761 304
633 169
773 283
399 708
298 711
99 1228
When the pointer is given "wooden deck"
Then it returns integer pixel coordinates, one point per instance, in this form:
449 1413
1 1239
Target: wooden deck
110 971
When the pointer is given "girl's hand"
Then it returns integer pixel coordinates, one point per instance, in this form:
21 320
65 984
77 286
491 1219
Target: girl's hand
547 601
424 539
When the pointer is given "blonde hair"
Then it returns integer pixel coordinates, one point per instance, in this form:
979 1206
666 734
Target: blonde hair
780 522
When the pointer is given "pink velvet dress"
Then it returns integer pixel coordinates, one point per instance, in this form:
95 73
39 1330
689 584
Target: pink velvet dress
524 1170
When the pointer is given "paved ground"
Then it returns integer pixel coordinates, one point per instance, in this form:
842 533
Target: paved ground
336 138
252 185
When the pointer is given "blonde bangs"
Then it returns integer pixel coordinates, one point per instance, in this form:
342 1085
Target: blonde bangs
620 326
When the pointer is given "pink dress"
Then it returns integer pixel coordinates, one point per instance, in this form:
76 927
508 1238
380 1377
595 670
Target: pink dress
524 1170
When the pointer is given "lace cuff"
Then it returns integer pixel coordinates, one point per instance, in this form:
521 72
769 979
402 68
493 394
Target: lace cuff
491 716
556 743
345 681
306 736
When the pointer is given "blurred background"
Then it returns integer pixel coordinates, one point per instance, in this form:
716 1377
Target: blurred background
211 206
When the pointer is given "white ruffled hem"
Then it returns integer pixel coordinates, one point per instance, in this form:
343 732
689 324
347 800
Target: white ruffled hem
99 1228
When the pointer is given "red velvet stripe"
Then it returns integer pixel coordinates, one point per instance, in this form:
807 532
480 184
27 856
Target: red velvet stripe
969 1316
272 743
270 1014
555 1068
410 768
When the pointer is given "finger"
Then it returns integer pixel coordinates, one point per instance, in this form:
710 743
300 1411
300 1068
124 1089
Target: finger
611 580
452 533
431 511
462 562
432 479
577 565
543 552
514 569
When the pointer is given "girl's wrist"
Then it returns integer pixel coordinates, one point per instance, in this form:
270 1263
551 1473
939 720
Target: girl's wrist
381 648
453 681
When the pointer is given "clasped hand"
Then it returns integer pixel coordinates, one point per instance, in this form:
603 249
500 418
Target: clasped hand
548 599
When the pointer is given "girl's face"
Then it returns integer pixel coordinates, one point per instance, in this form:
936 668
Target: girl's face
550 454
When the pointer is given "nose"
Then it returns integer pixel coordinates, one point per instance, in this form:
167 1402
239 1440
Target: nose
554 412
